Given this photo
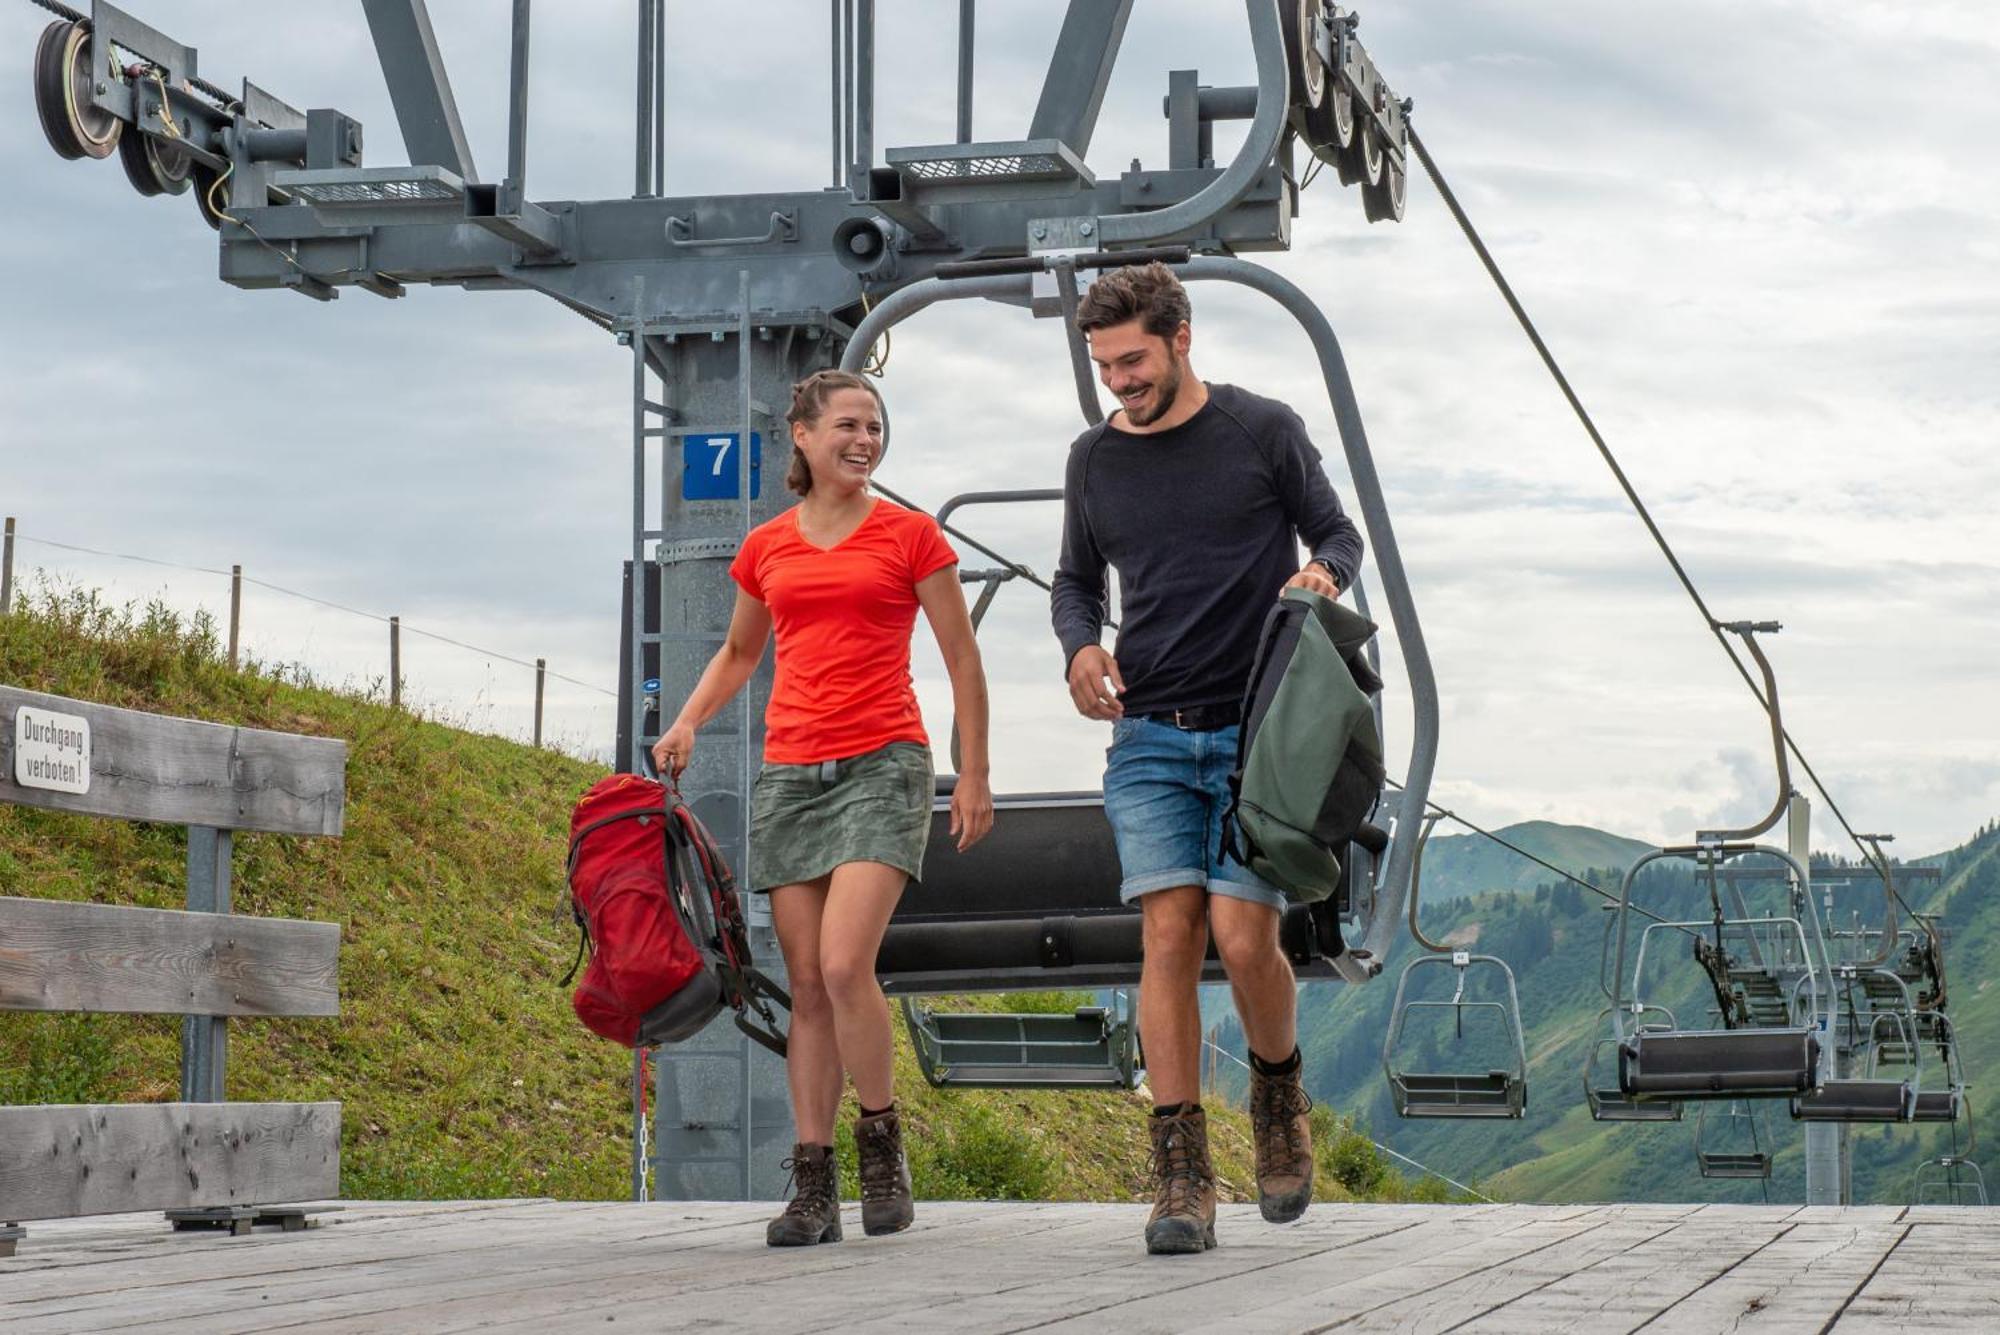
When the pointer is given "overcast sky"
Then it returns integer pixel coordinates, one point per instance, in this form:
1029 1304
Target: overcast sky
1761 237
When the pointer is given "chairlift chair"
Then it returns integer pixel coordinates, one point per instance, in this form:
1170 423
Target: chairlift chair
1091 1047
1608 1102
1948 1102
1736 1061
1484 1094
1753 1163
1949 1180
1871 1097
1952 1178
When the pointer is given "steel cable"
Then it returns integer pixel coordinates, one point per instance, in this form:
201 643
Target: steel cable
1625 483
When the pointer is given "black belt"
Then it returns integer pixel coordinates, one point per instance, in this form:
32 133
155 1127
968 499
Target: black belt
1200 718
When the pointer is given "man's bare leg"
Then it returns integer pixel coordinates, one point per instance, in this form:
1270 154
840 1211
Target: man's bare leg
1175 938
1246 938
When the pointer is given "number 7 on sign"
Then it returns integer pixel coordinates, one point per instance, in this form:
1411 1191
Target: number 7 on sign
709 467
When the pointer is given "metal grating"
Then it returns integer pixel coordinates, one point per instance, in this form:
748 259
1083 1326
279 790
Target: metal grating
375 192
1020 166
994 162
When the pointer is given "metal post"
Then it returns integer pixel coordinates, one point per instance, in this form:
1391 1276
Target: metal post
639 1135
833 90
395 662
235 612
517 113
7 570
864 91
660 97
1824 1150
965 38
642 130
205 1038
541 673
847 92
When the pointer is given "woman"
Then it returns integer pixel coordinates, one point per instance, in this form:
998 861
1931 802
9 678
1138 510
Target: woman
841 811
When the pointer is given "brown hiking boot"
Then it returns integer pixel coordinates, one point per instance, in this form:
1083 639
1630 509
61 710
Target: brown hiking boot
1281 1124
1183 1218
886 1206
813 1213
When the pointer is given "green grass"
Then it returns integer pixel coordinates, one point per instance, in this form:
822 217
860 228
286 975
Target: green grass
462 1070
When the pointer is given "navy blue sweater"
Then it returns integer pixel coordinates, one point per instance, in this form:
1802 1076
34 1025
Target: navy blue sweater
1202 523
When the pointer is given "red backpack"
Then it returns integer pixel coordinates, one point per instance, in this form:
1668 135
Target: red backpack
658 911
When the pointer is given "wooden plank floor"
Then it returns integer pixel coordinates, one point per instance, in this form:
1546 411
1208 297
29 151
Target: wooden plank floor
969 1266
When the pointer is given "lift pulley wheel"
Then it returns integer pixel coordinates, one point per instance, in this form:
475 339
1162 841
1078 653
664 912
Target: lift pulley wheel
1308 75
153 165
1383 201
74 127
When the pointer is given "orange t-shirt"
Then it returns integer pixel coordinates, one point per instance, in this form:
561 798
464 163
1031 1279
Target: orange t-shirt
843 618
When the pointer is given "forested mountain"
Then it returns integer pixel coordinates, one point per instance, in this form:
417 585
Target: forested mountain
1552 936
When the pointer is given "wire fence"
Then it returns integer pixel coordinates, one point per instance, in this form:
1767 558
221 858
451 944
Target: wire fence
465 689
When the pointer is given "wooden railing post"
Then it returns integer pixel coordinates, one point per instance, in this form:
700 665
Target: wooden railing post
395 662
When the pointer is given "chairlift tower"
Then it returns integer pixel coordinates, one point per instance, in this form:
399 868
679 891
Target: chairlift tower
724 301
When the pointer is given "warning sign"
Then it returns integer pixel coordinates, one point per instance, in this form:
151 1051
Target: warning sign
51 750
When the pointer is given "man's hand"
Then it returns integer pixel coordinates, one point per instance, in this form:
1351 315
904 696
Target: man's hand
1094 684
971 809
1313 576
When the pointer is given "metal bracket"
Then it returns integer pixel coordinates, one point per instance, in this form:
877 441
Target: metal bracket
696 549
784 227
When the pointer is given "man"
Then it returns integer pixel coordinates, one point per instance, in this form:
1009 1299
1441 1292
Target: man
1197 495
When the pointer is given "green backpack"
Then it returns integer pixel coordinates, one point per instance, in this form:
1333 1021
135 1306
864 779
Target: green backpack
1309 764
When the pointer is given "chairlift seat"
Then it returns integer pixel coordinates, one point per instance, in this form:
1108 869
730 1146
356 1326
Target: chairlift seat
1854 1101
1458 1094
1088 1048
1718 1063
1755 1164
1937 1105
1035 905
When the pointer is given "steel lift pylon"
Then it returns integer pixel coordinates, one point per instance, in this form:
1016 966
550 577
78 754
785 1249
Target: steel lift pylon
722 302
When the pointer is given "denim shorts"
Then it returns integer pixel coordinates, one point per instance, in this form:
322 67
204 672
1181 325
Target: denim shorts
1165 792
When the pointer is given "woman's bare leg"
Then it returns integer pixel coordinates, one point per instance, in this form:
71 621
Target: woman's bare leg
858 903
812 1062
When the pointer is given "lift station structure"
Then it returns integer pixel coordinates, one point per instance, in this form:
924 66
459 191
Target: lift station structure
725 301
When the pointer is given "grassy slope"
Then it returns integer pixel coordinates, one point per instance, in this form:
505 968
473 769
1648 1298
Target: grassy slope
462 1070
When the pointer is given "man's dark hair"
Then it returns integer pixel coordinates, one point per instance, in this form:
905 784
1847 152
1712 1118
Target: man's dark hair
1148 293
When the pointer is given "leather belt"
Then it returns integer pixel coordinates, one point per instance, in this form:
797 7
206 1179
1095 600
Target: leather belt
1200 718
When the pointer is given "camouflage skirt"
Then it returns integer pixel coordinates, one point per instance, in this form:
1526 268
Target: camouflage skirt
805 820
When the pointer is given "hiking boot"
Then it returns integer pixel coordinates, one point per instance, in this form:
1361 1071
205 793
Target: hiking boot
1183 1218
1281 1124
886 1206
813 1213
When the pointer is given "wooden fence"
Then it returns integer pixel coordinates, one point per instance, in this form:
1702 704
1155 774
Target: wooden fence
203 1160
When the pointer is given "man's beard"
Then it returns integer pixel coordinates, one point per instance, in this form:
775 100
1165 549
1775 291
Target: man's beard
1164 395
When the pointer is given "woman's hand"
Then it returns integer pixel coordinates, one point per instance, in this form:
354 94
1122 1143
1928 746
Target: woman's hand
673 751
971 809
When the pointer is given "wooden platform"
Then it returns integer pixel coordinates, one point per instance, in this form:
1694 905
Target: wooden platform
543 1265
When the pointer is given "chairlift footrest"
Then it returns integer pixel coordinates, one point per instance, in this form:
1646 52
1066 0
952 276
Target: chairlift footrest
1492 1094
